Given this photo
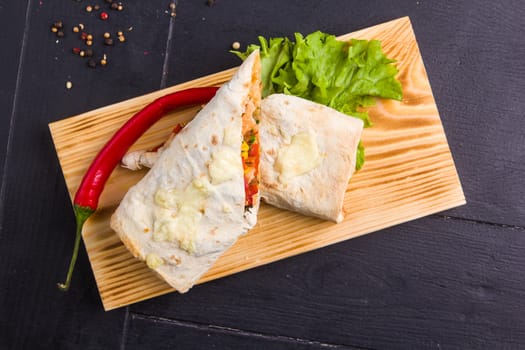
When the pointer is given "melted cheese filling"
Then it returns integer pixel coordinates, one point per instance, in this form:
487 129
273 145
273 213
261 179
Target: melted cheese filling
153 261
179 213
224 165
298 157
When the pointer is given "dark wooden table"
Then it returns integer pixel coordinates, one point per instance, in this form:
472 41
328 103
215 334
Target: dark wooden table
455 280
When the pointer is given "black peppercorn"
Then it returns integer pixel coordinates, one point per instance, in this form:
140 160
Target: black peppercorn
92 63
89 52
114 6
108 1
58 24
60 34
108 41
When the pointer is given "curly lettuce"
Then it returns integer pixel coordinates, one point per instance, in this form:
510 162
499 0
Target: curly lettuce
347 76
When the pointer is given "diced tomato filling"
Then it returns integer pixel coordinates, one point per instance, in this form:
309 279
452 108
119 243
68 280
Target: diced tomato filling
250 145
250 157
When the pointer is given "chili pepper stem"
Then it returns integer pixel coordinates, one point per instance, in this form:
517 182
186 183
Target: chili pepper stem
81 214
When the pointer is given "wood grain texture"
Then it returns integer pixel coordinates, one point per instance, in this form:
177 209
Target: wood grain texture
160 333
36 225
433 283
409 173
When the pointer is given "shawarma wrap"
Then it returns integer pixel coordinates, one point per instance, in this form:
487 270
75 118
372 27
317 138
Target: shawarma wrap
308 155
202 192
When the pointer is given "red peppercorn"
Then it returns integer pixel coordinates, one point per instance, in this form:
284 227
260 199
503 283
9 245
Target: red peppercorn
76 50
83 36
104 16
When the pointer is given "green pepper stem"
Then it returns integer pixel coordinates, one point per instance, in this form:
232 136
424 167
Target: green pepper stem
81 215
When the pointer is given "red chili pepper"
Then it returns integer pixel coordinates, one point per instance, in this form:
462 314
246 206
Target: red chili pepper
88 193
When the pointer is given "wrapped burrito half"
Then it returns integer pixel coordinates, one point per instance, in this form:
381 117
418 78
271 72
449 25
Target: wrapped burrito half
202 192
308 155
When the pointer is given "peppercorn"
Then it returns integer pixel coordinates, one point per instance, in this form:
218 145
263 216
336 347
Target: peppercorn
81 26
82 53
236 45
108 41
108 1
119 33
120 7
121 38
89 53
60 34
54 29
76 29
89 8
76 50
83 36
92 63
89 42
89 37
69 85
104 16
107 35
96 7
103 62
114 6
210 2
58 24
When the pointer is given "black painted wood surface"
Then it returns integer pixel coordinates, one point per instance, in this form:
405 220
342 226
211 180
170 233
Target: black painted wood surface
454 280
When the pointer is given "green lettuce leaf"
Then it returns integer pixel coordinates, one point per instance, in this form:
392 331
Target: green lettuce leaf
346 76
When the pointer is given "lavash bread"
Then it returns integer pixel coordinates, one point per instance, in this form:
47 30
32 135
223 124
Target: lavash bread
308 155
190 207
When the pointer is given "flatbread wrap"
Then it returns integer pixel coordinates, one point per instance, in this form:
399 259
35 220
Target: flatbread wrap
308 155
202 192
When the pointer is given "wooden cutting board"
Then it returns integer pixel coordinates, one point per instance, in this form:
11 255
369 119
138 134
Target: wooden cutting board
409 173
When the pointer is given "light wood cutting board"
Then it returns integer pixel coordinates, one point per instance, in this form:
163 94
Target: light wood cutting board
409 173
